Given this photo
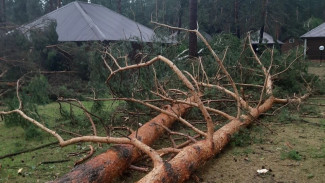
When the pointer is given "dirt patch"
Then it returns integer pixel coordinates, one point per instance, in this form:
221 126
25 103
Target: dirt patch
318 70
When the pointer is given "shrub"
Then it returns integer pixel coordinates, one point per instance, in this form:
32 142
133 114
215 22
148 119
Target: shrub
37 90
293 155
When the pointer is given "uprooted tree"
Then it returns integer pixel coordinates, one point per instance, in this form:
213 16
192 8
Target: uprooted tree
225 96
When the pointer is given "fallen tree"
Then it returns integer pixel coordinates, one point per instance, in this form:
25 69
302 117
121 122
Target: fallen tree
118 158
194 86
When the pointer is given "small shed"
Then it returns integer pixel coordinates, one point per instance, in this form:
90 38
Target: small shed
267 40
314 42
80 21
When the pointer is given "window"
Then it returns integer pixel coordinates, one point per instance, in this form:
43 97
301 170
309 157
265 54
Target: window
292 40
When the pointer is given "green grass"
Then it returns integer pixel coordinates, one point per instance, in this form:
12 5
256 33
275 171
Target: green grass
13 140
317 152
293 155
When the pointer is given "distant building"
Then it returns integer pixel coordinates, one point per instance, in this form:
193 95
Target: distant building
291 43
267 40
314 40
80 21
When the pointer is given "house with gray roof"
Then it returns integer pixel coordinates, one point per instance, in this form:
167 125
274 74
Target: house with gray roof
314 42
80 21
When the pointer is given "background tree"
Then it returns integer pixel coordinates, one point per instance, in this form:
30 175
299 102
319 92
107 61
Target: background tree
3 11
193 26
263 19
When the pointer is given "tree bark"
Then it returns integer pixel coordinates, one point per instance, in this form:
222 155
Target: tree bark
193 25
59 4
109 165
119 6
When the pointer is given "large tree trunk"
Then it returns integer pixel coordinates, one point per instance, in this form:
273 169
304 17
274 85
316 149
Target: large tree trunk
193 25
109 165
192 157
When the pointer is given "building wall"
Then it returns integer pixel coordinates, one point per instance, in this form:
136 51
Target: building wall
290 44
313 52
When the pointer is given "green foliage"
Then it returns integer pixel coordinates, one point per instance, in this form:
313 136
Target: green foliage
286 116
312 22
318 153
37 90
320 87
21 12
309 109
293 155
40 38
15 120
222 41
291 81
33 133
35 93
241 138
310 176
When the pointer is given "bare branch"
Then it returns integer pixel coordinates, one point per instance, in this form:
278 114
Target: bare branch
172 114
3 73
90 154
215 57
85 112
255 56
113 58
203 70
230 93
277 74
223 114
141 169
187 83
157 160
176 133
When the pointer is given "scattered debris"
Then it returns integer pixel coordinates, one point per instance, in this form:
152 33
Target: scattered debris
20 171
262 171
289 145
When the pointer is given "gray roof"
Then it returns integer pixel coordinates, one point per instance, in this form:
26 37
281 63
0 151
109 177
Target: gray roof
319 31
79 21
267 38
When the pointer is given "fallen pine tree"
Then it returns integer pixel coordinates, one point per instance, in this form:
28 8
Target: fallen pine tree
118 158
195 86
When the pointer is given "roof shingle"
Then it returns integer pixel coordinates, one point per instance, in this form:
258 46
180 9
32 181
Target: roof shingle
267 38
79 21
319 31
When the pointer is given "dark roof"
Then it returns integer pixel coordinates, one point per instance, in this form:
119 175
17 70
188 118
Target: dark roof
79 21
319 31
267 38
